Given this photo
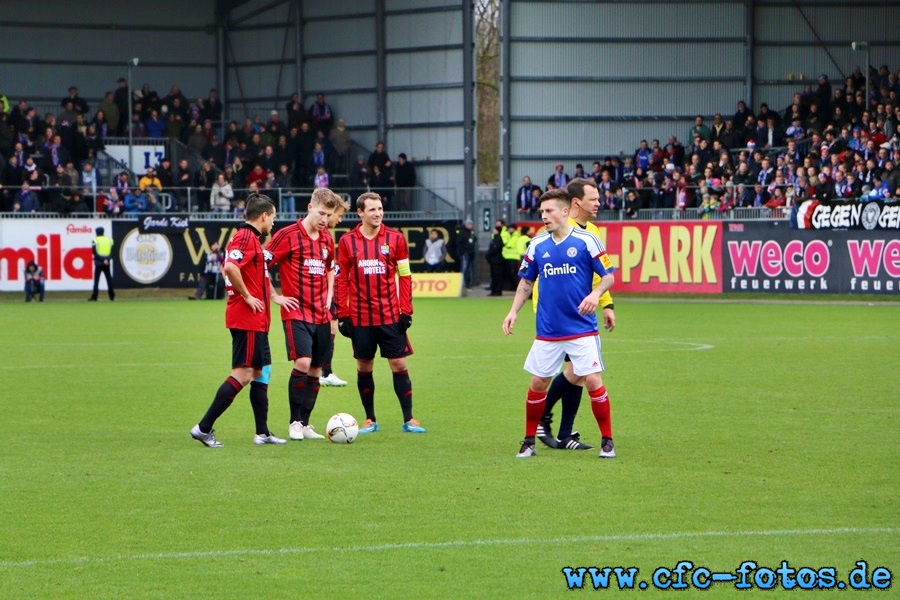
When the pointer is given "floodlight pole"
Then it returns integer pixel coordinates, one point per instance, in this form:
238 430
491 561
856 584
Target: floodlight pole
131 63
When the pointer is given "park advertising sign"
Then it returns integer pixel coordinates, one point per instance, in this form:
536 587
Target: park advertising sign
683 257
62 248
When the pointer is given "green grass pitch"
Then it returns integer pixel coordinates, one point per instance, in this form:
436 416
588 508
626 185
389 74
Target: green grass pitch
762 432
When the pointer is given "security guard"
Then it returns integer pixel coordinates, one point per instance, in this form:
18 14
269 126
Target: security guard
103 247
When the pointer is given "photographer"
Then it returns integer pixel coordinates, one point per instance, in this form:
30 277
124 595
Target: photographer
34 282
211 282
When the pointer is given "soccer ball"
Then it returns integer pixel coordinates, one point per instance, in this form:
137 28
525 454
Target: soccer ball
342 429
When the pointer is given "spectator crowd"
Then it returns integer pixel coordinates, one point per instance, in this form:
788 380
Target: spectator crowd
830 143
48 162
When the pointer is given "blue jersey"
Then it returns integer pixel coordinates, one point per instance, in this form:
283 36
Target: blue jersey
566 270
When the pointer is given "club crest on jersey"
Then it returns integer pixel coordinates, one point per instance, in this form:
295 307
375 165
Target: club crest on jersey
385 249
267 256
571 252
236 255
324 253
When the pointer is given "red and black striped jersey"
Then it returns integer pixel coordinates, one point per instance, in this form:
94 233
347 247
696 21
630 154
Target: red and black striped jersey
366 287
304 264
245 251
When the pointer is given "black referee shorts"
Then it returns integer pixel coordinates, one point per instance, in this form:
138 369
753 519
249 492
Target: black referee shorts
249 349
303 339
393 344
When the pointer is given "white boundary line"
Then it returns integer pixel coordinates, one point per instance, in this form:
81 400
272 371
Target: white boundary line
454 544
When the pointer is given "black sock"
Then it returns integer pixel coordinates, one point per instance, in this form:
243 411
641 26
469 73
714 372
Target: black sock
224 397
571 400
296 391
554 393
259 402
329 356
308 403
403 389
365 383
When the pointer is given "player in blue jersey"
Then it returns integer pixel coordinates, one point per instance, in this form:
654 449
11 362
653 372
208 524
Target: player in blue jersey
565 258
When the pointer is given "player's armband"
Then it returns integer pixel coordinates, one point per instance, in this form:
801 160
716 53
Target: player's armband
403 268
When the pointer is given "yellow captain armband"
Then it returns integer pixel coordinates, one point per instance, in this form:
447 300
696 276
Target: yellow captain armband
403 268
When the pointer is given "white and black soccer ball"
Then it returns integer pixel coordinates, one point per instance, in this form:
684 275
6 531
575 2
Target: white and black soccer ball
342 429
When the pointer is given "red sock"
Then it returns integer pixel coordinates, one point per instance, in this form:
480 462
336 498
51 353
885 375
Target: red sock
534 409
600 408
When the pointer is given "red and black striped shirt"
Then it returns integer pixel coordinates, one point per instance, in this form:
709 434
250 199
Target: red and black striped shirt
366 286
304 264
245 251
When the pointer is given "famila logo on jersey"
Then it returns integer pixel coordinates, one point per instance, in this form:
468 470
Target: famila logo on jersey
565 269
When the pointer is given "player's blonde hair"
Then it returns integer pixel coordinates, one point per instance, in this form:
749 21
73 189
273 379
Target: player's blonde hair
327 198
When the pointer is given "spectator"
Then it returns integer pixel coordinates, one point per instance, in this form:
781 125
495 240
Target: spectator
284 181
699 128
91 183
381 184
322 179
203 181
26 200
120 98
494 258
378 158
34 282
559 178
295 112
317 158
151 186
135 202
214 109
525 199
435 252
340 141
632 204
466 247
405 178
321 115
643 156
156 127
304 143
359 176
78 103
221 195
256 175
197 141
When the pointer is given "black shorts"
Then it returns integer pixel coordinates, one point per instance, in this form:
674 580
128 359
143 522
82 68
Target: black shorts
302 339
249 349
393 344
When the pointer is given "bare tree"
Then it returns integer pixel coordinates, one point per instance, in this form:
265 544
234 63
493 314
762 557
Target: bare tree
487 80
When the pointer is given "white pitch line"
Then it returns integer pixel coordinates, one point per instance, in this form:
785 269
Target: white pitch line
629 537
128 365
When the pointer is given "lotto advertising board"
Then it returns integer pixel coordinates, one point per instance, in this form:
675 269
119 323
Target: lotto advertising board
171 252
772 257
62 247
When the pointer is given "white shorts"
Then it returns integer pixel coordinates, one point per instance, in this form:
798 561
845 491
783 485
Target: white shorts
545 357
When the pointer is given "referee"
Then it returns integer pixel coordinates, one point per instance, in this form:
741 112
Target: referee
102 247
